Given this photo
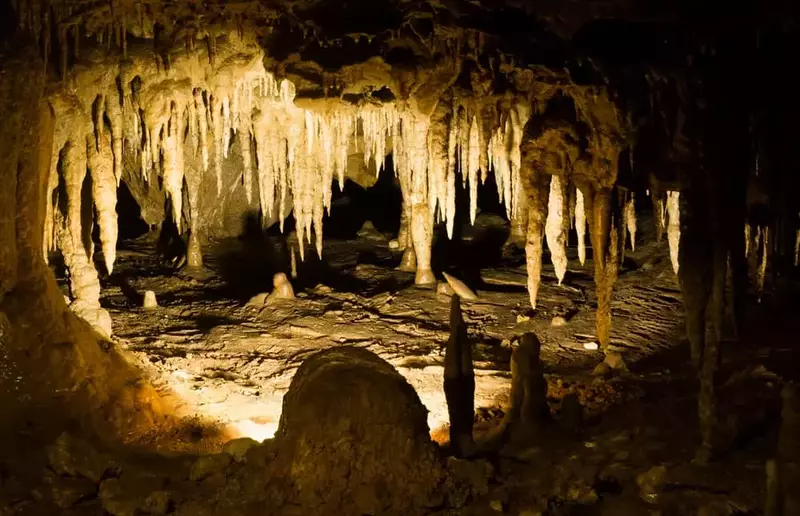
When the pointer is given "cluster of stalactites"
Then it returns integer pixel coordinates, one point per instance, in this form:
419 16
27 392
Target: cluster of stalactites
756 251
504 154
87 141
293 151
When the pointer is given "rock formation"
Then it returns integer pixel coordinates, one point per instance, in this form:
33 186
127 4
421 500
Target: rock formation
209 114
459 382
353 433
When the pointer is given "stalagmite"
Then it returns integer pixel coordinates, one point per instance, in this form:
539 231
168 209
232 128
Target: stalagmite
459 382
580 225
104 194
673 227
554 229
527 408
630 218
519 225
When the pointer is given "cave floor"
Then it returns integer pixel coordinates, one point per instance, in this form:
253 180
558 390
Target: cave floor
233 362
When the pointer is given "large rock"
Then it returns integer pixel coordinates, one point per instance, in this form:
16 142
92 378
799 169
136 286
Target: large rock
353 437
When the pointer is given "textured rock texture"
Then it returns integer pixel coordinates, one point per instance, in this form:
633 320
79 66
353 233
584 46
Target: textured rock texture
354 434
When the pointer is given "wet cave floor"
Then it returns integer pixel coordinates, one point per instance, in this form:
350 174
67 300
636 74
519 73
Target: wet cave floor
233 362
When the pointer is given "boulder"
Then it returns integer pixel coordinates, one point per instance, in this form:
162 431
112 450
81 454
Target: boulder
209 465
353 437
73 457
238 448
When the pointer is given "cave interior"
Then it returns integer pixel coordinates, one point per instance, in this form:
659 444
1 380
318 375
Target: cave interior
399 257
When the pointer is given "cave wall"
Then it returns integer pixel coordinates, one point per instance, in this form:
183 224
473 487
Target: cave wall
56 371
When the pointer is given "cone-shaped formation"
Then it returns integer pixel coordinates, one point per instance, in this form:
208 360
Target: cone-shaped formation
629 215
580 225
554 229
762 260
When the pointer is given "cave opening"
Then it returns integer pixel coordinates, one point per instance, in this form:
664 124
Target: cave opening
375 257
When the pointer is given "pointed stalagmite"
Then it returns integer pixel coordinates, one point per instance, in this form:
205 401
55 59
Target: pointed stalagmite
554 229
674 228
527 408
459 382
518 230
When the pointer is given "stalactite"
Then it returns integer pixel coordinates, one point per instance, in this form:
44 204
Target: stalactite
658 214
762 260
537 203
473 164
172 149
63 51
247 164
673 227
580 225
449 188
796 247
83 282
193 175
607 236
554 229
438 168
504 154
104 194
630 218
113 110
411 155
747 238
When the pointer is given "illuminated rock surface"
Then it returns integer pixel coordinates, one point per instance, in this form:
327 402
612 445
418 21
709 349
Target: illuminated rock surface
206 153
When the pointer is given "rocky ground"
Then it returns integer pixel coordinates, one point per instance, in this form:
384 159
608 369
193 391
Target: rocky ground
232 360
627 449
